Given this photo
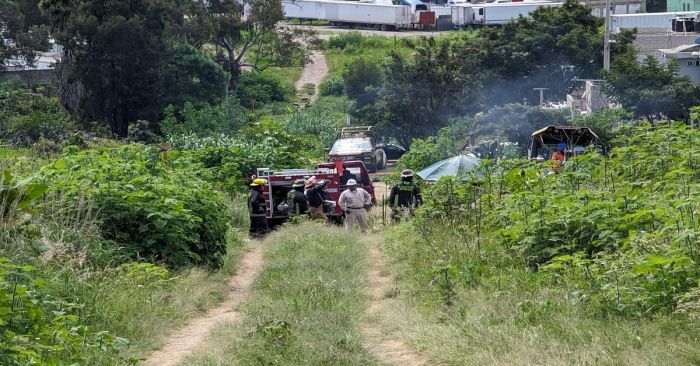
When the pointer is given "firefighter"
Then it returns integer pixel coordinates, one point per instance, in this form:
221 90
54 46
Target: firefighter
257 209
405 197
296 199
315 195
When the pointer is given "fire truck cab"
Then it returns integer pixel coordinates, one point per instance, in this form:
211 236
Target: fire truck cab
279 183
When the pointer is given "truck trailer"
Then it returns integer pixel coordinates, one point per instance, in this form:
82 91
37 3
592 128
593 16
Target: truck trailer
647 20
494 13
343 13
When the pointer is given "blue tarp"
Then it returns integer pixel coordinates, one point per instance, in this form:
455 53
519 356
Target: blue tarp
452 167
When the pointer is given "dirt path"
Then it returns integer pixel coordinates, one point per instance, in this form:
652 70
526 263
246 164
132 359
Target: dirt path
313 74
185 340
388 349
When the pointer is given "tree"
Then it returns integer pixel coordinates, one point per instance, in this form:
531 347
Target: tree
115 50
550 49
510 122
650 89
23 32
256 40
420 94
362 78
120 63
189 75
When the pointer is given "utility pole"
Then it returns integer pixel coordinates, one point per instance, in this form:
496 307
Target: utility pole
606 45
541 90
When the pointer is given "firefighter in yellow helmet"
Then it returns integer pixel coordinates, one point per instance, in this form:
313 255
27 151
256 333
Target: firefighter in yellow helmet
257 209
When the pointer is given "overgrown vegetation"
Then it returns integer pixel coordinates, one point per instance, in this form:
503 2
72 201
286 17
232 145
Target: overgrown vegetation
154 212
27 116
608 240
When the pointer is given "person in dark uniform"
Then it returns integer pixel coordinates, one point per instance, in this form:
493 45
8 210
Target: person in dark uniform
405 197
296 199
315 195
347 175
257 209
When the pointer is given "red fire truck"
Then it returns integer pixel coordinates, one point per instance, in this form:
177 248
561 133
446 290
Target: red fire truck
336 173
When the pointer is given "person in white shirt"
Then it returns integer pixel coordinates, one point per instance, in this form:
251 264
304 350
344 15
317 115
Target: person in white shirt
355 202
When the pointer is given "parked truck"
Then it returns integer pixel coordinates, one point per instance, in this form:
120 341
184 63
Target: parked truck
279 183
343 13
494 13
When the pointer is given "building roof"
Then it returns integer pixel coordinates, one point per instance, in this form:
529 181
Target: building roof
684 51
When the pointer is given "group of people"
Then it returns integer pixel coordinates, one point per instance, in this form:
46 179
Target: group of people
559 156
309 197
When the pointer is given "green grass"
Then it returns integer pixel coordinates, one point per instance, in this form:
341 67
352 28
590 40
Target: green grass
511 316
305 307
114 294
287 76
21 161
146 315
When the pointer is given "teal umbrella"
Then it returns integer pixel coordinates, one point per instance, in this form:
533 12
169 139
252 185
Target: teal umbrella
452 167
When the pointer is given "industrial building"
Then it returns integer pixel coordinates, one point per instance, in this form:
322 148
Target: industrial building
688 59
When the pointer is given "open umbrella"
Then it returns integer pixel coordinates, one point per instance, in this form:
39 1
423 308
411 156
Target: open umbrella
451 167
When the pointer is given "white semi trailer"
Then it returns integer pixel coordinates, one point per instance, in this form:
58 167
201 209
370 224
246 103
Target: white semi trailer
462 15
343 13
647 20
495 14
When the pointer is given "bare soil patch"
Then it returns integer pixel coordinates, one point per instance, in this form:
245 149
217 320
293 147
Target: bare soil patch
192 336
314 72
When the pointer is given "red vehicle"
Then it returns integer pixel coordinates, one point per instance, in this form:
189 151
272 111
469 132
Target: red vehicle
280 183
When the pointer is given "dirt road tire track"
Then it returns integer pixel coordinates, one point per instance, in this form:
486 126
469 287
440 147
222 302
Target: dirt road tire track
387 349
314 72
183 341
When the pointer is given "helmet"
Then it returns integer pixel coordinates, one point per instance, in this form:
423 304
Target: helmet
323 183
561 146
351 182
298 183
406 173
258 182
310 182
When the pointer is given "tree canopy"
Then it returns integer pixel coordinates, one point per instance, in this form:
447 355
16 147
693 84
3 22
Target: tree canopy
23 31
651 89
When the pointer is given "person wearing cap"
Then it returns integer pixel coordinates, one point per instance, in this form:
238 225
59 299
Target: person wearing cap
315 195
558 157
296 199
257 209
354 202
405 196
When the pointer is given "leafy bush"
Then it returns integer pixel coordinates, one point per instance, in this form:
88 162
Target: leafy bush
38 329
225 118
624 224
25 117
334 85
140 131
14 83
616 232
360 75
425 152
156 212
355 39
258 89
226 161
16 196
317 123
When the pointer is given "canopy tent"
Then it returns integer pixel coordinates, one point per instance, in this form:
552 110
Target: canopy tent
452 167
572 136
